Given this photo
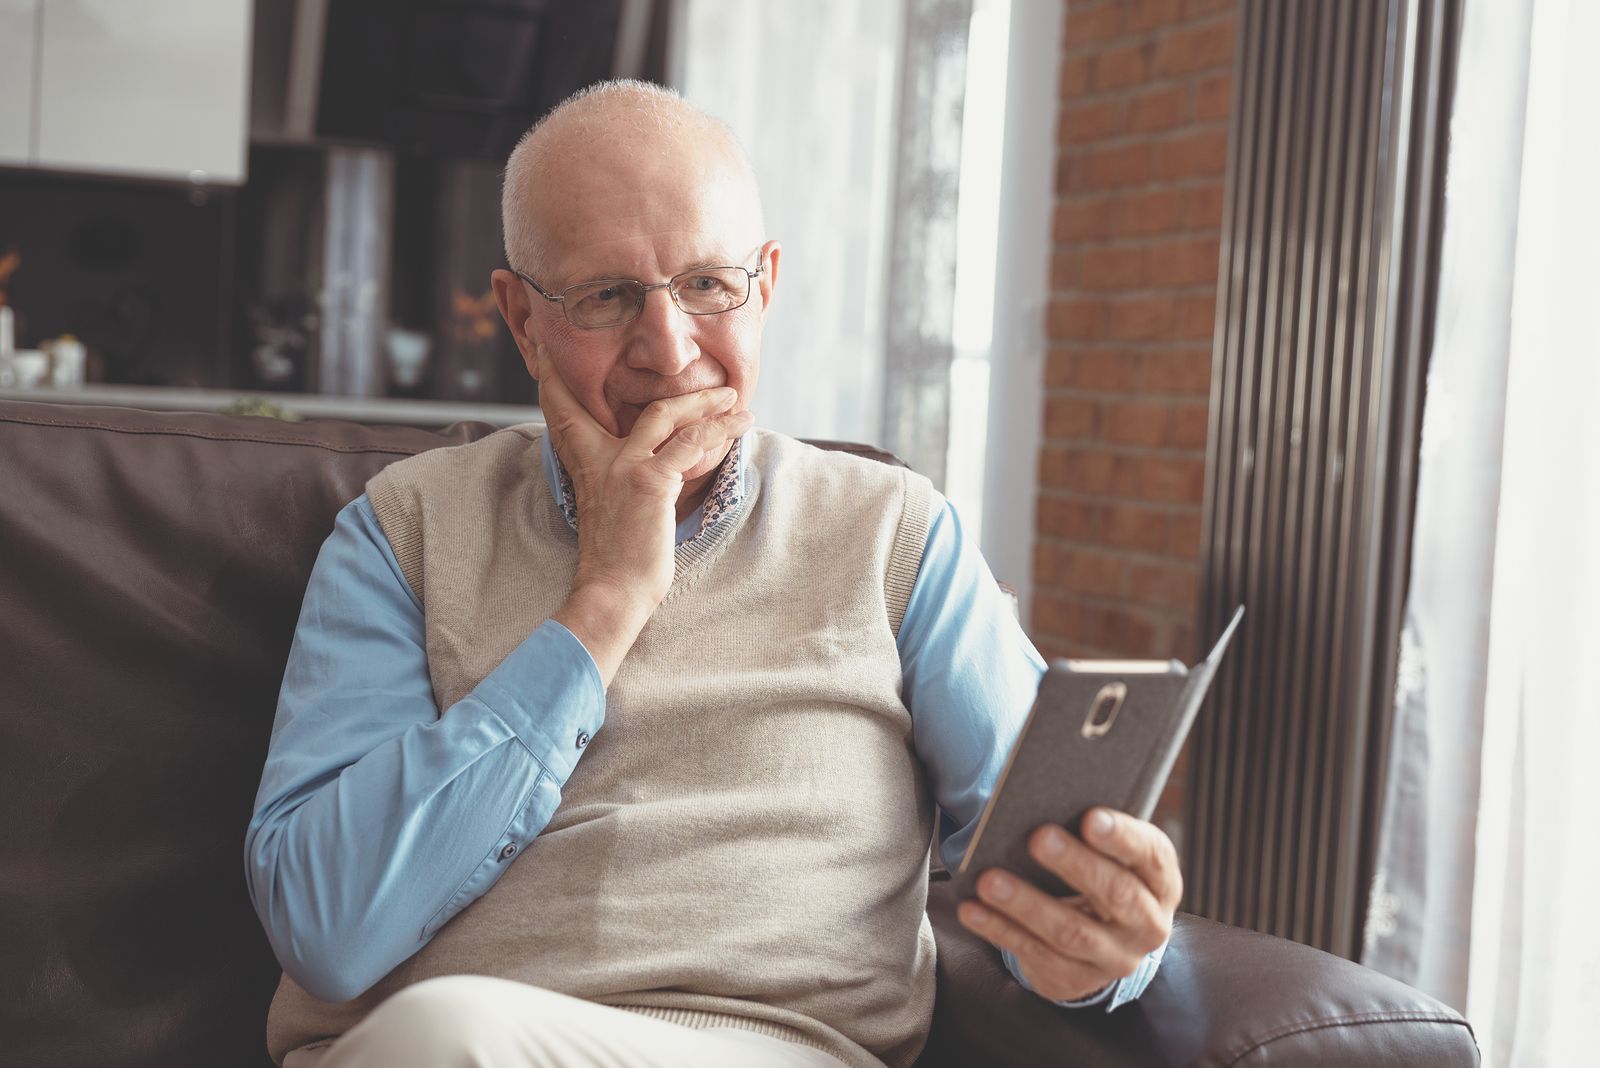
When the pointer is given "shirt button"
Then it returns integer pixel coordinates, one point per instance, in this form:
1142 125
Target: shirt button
509 851
583 739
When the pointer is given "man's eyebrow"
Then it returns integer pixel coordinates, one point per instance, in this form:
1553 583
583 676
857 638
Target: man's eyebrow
702 264
699 264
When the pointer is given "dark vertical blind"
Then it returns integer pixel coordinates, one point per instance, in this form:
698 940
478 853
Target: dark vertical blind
1324 316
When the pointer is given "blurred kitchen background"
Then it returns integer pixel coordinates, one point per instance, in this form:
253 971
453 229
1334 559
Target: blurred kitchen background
294 196
292 207
298 200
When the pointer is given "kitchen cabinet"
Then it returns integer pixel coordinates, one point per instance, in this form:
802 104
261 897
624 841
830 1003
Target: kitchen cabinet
153 88
18 26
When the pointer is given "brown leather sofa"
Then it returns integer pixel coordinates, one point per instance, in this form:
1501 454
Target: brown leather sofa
151 570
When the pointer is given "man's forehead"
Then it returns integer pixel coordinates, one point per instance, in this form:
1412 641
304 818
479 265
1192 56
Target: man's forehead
666 253
617 228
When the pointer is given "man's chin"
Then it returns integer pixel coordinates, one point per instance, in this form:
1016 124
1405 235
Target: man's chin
707 466
722 454
626 415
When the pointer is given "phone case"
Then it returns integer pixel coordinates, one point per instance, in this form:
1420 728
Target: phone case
1094 737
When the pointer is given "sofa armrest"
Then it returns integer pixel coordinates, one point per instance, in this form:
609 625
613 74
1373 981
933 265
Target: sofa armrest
1223 996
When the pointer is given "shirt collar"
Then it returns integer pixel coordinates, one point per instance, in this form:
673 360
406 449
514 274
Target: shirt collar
725 494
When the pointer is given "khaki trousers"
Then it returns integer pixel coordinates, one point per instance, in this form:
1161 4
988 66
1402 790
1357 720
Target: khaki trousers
468 1021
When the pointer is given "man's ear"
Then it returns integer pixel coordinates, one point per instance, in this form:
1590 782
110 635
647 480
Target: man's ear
768 281
516 308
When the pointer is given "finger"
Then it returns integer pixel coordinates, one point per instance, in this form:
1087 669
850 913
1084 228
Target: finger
1051 974
691 444
1117 893
999 930
662 418
1065 929
1142 847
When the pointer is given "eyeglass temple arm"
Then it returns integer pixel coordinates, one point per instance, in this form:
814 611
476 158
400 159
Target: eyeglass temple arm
537 288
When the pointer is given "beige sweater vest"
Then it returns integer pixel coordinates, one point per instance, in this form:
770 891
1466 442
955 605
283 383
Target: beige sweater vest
744 843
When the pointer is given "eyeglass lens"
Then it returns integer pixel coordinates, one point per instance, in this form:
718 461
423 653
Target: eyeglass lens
703 292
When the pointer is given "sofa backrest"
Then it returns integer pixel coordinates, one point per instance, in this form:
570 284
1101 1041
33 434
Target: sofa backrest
151 570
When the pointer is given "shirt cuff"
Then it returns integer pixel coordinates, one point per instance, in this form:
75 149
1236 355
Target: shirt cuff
1113 995
548 689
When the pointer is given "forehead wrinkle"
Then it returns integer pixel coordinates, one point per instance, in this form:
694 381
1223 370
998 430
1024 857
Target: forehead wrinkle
578 227
646 277
643 244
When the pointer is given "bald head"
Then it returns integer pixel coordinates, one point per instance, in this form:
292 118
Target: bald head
615 144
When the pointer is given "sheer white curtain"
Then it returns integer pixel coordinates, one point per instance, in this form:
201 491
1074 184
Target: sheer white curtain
1418 924
1488 868
810 90
1533 984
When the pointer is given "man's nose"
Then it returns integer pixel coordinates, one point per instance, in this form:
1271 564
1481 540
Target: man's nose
662 336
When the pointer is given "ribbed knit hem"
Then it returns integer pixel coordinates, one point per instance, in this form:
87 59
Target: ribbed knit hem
700 1021
905 557
401 528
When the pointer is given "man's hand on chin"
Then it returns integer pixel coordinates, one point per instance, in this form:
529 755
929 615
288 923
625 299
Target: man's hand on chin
1070 948
627 495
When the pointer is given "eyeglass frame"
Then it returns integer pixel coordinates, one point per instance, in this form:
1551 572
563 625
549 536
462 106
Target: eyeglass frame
644 290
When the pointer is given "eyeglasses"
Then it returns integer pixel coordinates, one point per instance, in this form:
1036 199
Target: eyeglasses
614 301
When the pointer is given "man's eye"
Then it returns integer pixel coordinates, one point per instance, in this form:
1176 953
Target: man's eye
703 283
606 295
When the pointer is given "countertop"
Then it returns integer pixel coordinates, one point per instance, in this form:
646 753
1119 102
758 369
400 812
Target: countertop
418 413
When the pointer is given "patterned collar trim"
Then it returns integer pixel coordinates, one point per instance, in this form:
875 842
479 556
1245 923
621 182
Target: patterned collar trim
727 490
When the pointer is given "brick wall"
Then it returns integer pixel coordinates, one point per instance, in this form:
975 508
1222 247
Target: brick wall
1145 90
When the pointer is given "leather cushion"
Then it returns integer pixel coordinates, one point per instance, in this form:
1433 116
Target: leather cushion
1223 996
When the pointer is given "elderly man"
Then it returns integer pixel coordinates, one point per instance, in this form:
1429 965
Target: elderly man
618 742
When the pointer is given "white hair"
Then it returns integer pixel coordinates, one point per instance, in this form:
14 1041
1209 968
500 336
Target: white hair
599 110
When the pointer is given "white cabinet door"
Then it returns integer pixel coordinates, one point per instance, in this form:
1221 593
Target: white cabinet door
17 30
152 87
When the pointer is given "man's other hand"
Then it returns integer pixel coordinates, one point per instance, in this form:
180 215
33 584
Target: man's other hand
1070 948
627 493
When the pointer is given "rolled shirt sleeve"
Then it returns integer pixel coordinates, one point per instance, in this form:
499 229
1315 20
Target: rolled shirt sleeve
378 818
970 676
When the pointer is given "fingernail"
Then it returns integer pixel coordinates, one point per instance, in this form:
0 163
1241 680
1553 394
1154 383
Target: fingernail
977 915
1000 888
1100 822
1054 844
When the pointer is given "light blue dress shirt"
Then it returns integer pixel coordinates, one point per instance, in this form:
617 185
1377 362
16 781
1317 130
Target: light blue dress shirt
378 819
